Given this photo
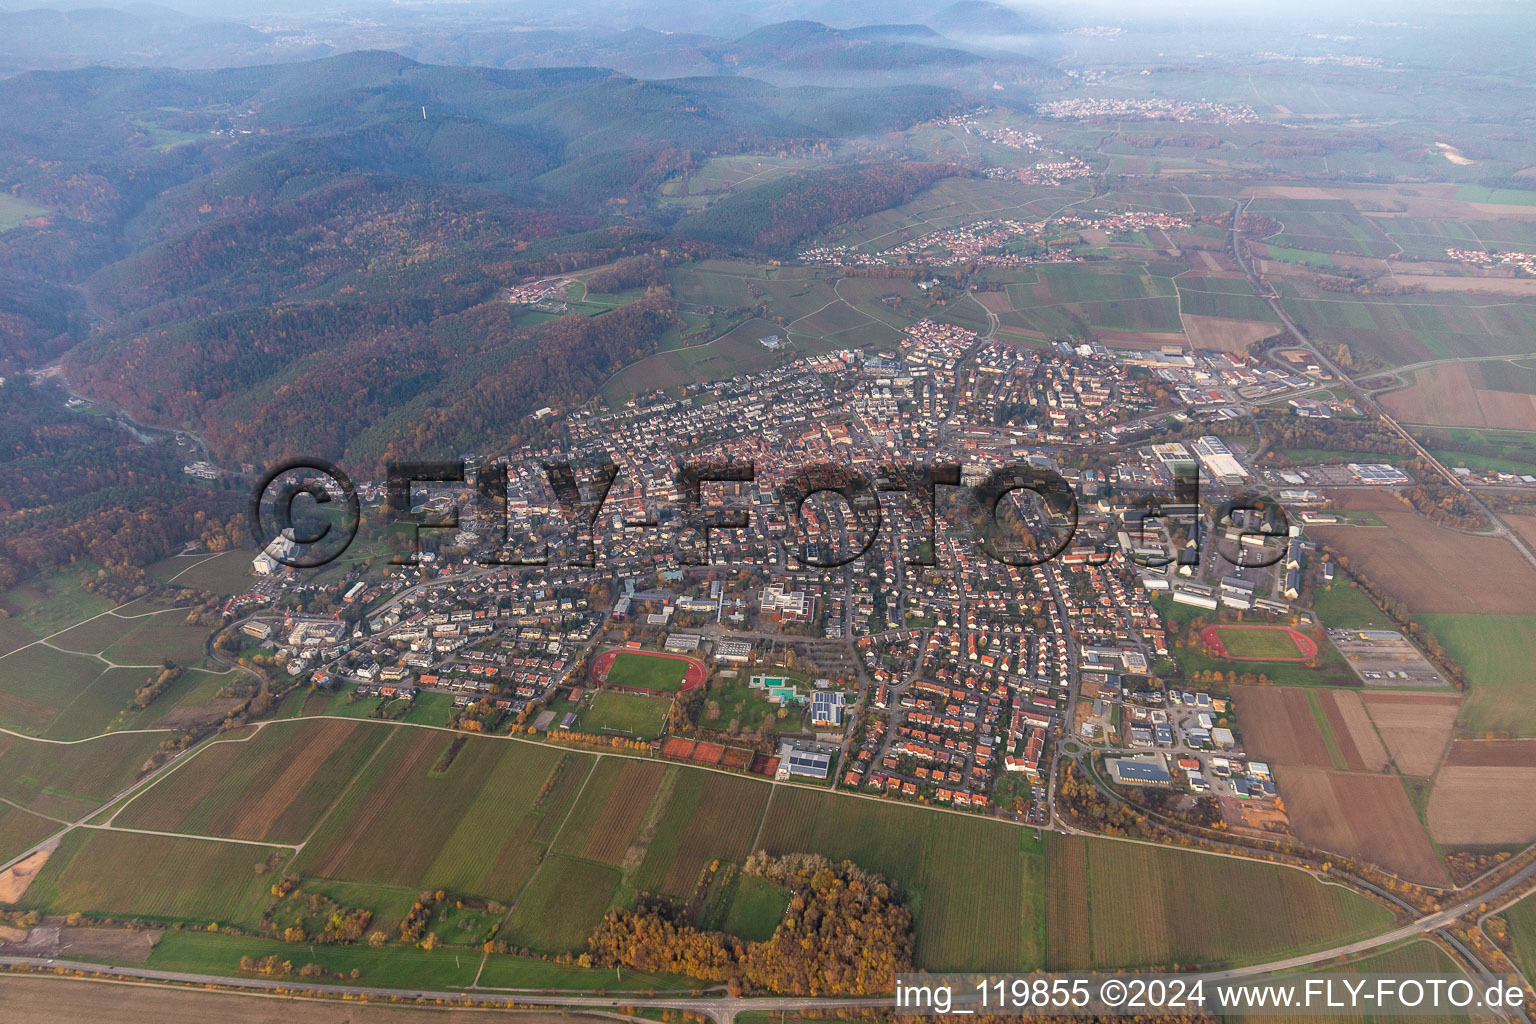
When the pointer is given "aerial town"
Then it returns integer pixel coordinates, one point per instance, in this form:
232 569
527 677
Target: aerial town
921 667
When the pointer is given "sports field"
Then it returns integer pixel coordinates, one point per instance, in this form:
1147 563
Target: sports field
625 714
1259 643
647 671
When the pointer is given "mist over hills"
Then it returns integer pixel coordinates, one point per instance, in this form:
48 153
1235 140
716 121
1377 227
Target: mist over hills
648 41
226 247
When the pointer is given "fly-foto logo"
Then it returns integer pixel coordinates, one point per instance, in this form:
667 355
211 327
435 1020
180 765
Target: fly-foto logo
316 539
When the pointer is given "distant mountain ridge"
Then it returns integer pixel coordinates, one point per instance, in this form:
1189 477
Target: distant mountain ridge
810 45
982 18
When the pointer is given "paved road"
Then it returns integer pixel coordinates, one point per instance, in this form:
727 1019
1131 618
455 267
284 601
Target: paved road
722 1009
1366 399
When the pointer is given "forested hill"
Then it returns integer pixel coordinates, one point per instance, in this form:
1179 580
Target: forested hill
229 250
773 217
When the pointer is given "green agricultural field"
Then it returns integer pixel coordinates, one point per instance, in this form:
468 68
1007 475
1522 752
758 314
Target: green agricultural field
1509 448
274 786
617 802
734 353
626 714
48 604
647 671
1398 329
20 831
38 682
1093 282
478 827
1522 931
104 704
707 815
975 885
1500 196
164 637
1332 230
228 572
1113 904
67 780
1303 256
96 634
1197 298
1495 652
1345 606
130 874
1511 376
391 966
13 635
562 906
756 909
1428 238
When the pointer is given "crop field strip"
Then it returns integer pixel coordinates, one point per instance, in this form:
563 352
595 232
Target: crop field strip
1352 730
1496 652
66 780
612 809
1360 814
130 874
38 682
1414 726
21 830
708 815
975 885
563 906
1522 930
1280 727
274 786
1415 328
1189 907
474 827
